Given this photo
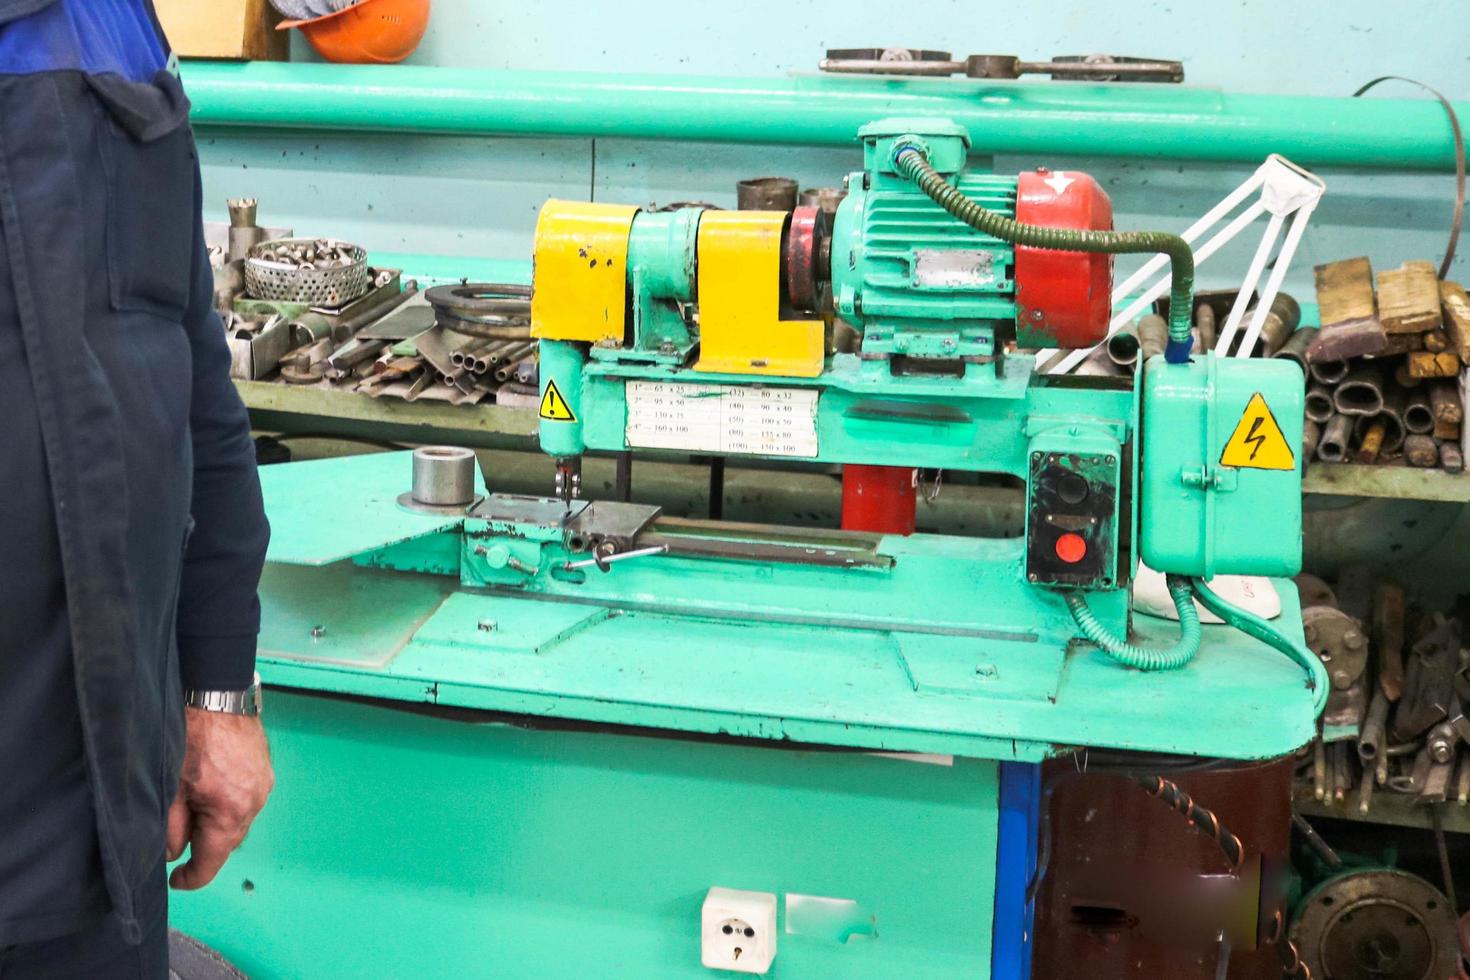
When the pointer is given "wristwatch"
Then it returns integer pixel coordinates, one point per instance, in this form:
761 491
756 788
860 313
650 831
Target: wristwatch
246 702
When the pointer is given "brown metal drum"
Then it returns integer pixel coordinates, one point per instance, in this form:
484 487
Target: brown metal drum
1125 870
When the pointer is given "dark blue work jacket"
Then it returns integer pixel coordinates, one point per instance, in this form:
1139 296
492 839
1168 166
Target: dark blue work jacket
119 431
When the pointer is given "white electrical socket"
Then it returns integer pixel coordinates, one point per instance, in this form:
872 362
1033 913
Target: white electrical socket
737 930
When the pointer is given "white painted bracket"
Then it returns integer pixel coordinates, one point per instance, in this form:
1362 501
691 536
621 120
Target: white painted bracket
1285 191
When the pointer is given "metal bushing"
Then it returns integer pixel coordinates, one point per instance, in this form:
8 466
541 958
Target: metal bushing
482 309
443 479
766 194
808 256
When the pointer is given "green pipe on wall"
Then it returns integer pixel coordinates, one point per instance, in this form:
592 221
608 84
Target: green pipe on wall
1159 121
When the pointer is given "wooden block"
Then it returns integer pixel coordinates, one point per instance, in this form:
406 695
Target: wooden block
1408 298
1345 292
1433 340
1446 430
1424 364
1445 400
1456 317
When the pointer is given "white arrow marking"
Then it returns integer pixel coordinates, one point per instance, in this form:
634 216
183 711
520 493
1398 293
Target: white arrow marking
1059 182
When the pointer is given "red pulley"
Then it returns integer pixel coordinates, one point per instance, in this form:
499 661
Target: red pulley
1063 299
881 499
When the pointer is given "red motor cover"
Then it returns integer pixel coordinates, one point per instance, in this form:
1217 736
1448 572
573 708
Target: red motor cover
1063 299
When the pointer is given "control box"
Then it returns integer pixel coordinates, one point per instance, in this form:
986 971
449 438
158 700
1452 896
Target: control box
1221 473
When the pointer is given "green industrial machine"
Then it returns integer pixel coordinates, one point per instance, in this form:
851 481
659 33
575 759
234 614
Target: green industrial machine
558 736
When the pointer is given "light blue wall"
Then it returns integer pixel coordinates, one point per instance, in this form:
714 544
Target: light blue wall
473 196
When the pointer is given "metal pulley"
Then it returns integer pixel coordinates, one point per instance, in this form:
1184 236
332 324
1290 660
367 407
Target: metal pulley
922 62
1377 925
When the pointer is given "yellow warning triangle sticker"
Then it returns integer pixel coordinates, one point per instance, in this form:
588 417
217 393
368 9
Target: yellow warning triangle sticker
1257 442
554 406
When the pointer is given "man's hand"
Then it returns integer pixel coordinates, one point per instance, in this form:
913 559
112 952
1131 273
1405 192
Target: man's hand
225 781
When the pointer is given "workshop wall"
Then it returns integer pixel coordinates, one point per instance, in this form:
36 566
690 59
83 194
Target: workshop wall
471 196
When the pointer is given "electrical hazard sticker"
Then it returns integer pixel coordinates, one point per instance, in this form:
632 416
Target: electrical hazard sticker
1257 442
554 406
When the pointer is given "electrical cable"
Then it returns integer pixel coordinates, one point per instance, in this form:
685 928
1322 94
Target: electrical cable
1140 657
1257 628
911 160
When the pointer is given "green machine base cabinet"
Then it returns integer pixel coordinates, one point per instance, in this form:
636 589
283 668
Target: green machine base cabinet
473 783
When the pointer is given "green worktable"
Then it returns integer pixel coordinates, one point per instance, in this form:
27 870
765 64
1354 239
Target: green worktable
480 784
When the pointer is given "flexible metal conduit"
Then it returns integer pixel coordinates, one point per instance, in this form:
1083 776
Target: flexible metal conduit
1160 121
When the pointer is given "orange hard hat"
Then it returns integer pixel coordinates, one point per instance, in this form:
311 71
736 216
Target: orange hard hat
368 32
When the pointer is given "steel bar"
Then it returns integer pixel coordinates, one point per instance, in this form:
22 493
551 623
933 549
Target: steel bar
1333 446
1002 116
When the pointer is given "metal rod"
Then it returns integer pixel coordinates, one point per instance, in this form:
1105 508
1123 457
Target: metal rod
1002 117
620 556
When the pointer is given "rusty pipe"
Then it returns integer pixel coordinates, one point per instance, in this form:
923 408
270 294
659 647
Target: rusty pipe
1418 415
1333 446
1361 392
1295 348
1319 406
1327 372
1152 331
1311 436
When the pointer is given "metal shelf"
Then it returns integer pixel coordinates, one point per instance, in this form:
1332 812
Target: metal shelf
332 412
1388 809
1399 482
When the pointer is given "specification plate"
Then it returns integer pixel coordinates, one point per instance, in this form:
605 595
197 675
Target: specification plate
722 418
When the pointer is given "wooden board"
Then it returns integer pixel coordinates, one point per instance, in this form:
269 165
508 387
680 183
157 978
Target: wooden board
1456 317
1345 292
1424 364
1408 298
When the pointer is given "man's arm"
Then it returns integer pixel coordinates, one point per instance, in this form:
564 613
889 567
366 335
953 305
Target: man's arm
226 773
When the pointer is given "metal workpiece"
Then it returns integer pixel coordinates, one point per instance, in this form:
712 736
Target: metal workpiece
1295 348
822 198
1123 349
1360 392
1336 435
1373 735
1381 434
1279 326
443 479
1441 742
1311 436
1418 417
484 310
244 232
1205 327
1152 331
1327 372
1421 451
766 194
1318 403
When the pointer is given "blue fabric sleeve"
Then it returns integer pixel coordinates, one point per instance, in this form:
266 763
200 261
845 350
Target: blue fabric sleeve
219 609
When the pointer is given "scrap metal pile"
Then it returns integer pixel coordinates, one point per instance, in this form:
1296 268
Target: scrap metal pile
312 311
1386 367
1395 719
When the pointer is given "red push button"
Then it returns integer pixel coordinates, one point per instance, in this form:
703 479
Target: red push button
1071 548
